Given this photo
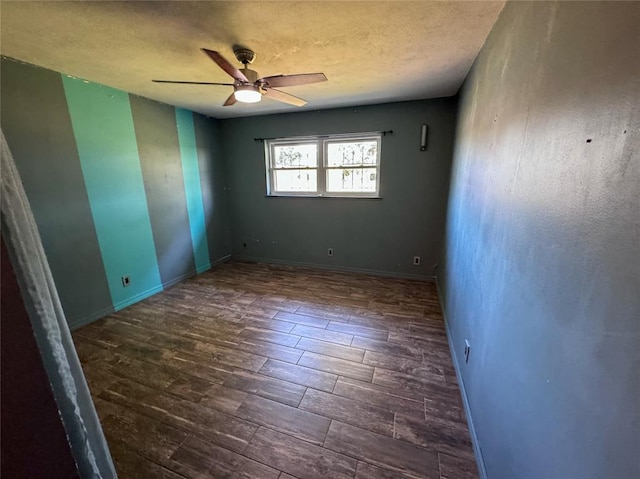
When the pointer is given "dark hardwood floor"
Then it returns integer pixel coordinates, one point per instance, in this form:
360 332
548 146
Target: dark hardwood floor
257 371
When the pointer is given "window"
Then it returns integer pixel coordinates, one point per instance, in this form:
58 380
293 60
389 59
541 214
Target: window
337 165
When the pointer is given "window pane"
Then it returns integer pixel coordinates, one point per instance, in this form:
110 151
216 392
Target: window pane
295 181
295 156
360 153
351 180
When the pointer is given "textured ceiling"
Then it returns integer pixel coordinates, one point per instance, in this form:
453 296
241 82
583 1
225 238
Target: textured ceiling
371 52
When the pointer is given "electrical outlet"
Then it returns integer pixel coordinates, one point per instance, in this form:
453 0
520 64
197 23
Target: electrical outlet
330 252
125 281
467 350
416 260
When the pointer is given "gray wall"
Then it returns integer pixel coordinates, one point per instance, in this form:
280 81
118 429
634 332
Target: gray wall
376 235
37 126
158 150
143 152
543 242
214 192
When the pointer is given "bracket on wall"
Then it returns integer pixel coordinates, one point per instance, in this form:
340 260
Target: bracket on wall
423 137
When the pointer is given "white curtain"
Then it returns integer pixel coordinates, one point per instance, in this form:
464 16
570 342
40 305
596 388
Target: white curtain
20 233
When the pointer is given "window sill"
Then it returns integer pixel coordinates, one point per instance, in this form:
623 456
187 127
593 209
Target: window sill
318 197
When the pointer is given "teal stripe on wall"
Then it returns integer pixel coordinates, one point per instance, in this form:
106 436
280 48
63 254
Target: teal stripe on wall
191 176
106 142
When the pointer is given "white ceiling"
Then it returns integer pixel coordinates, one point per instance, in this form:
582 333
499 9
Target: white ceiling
371 52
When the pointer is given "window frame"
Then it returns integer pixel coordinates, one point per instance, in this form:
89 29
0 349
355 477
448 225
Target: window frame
269 148
322 144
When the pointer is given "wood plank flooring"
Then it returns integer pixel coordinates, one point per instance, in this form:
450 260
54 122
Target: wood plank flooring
258 371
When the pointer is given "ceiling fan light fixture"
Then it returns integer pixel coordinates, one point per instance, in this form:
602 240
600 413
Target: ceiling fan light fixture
248 87
247 94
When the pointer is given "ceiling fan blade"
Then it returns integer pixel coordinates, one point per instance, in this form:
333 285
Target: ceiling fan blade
230 101
293 80
192 82
226 66
283 97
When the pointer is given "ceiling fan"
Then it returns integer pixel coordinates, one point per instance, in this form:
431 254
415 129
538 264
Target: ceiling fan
247 87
